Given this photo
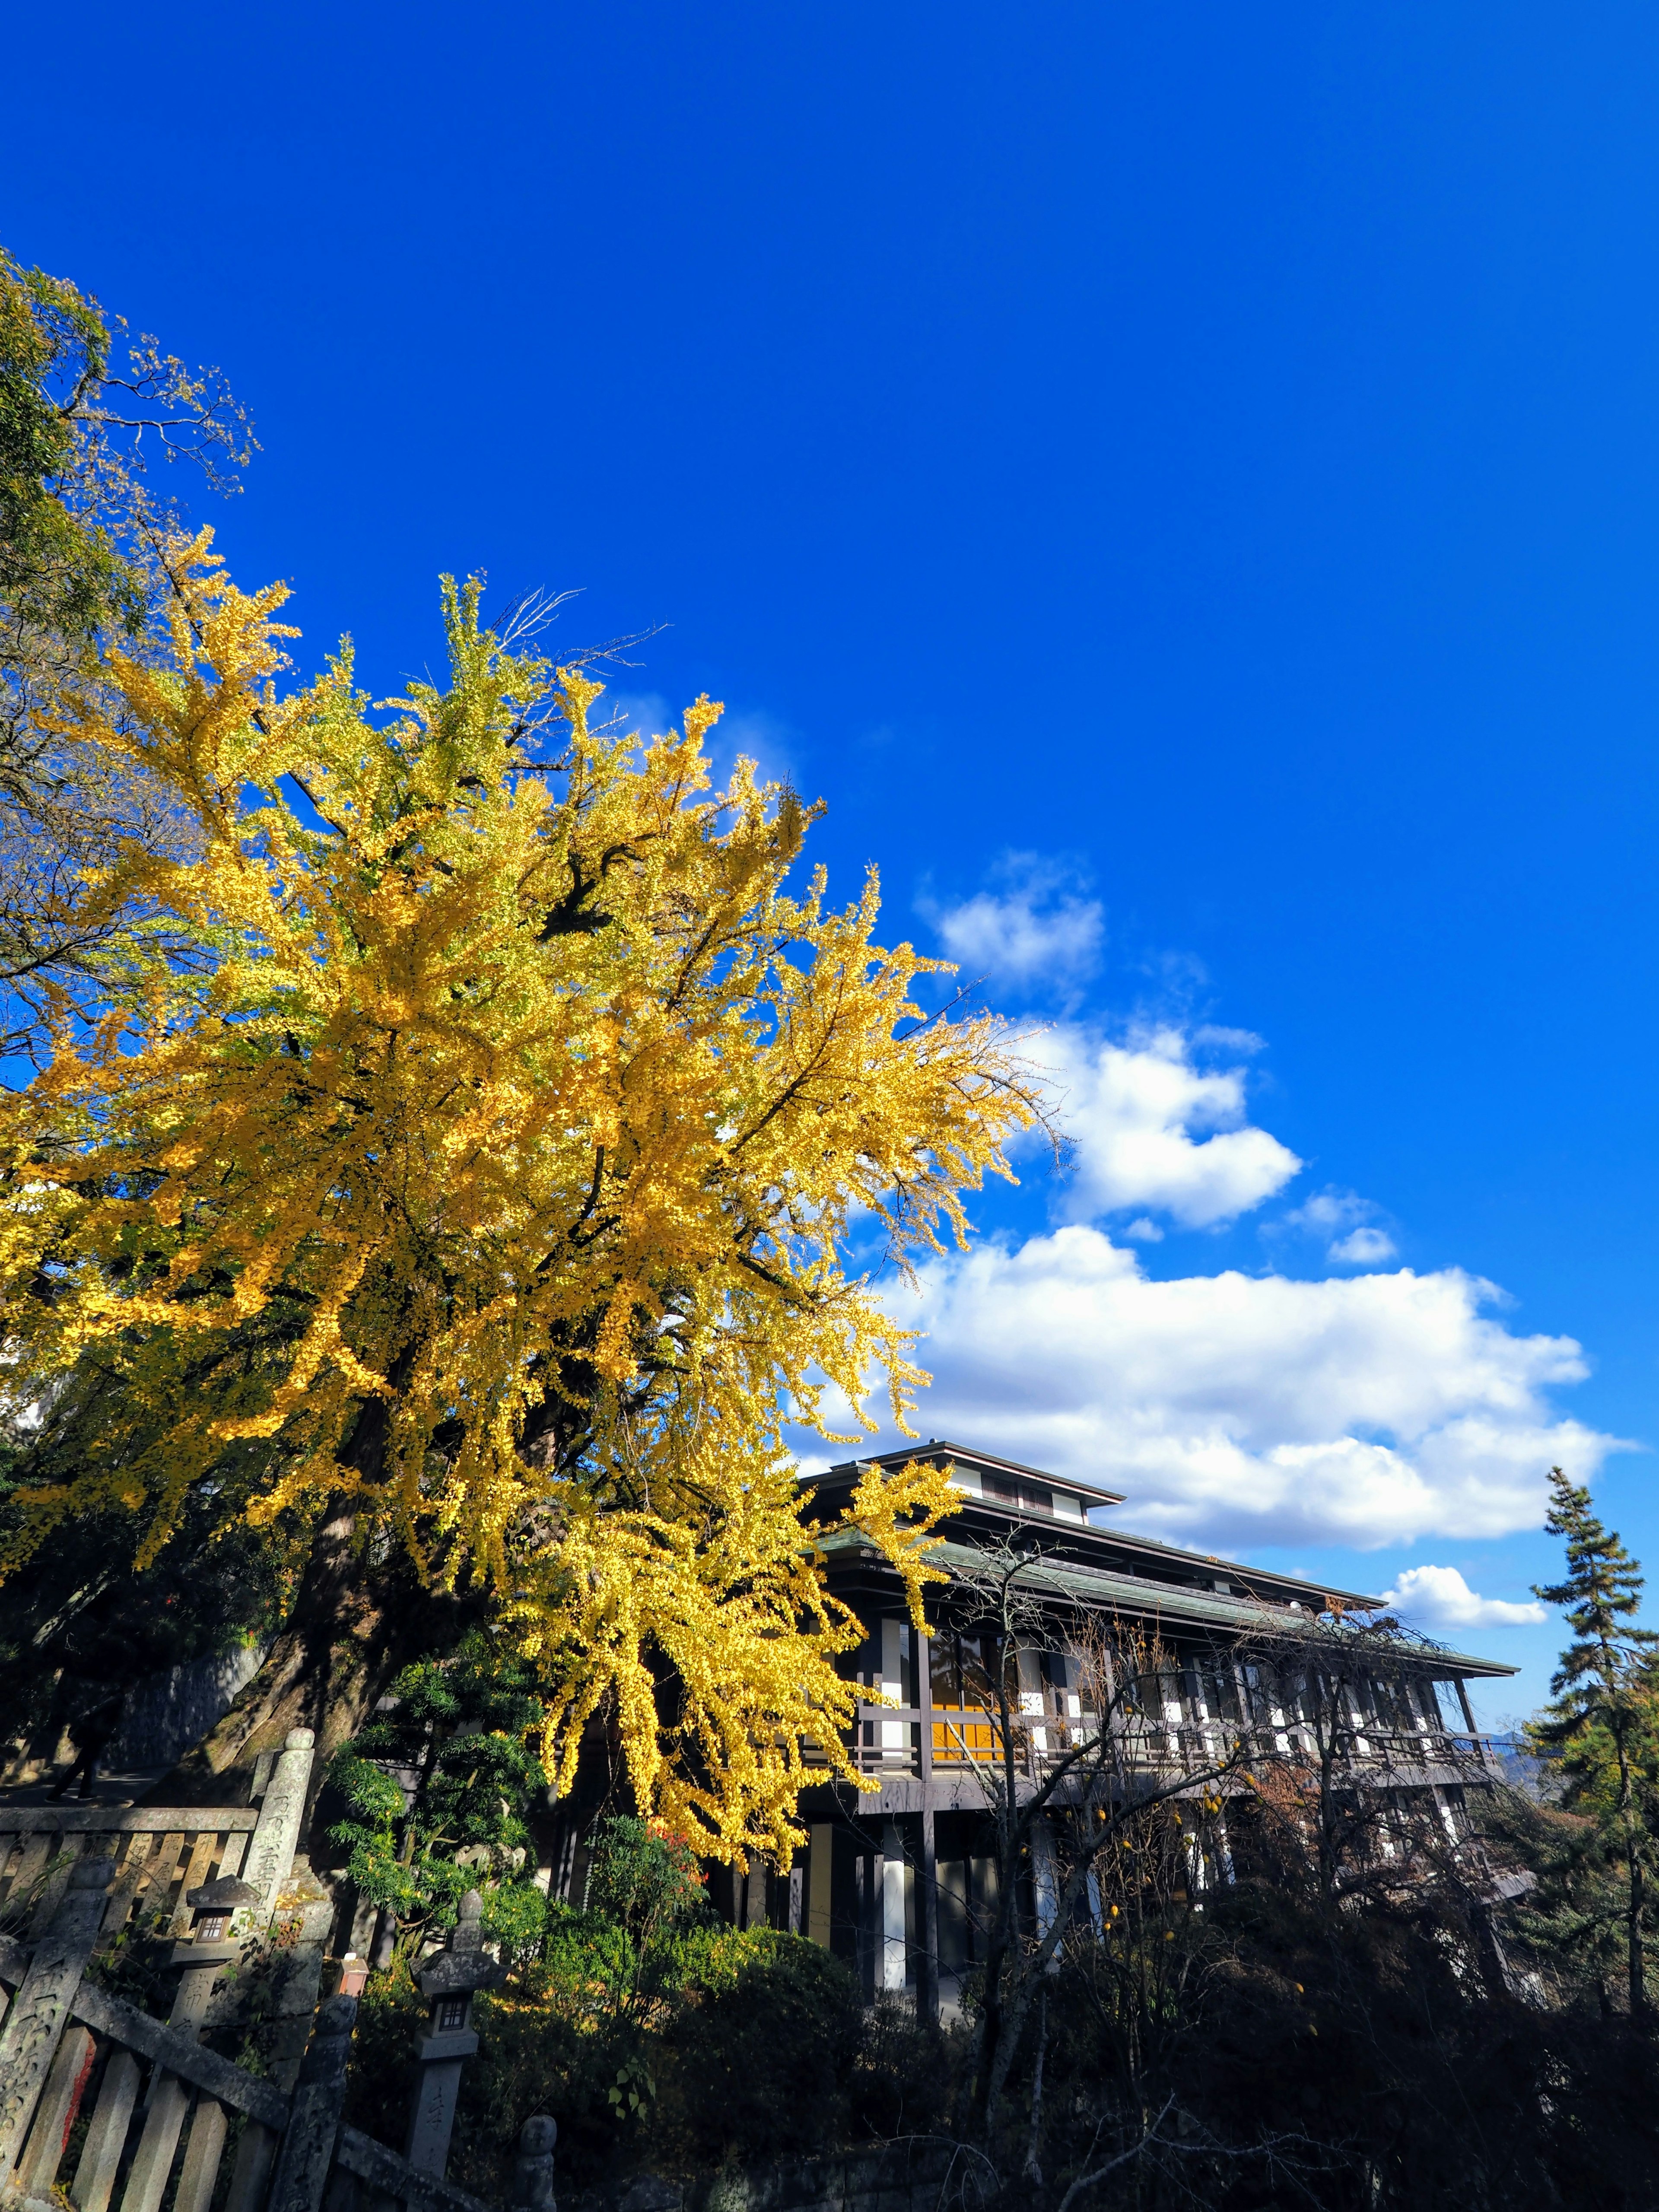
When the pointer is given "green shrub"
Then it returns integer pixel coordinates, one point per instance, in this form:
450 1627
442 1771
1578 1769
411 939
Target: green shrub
759 2055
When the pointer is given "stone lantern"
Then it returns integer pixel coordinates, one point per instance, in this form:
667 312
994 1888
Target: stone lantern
448 1983
212 1904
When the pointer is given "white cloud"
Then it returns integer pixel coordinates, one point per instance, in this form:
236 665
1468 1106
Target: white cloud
1362 1247
1349 1222
1239 1409
1132 1110
1039 929
1438 1598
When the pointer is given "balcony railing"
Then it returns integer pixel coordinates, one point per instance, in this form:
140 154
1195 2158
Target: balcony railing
915 1740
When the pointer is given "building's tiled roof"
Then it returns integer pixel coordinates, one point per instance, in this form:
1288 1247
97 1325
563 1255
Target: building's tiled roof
1141 1598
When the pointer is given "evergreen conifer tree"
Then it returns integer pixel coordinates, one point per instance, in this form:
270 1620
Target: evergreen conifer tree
1602 1724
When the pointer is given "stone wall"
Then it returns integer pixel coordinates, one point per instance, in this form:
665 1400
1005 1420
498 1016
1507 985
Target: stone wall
168 1714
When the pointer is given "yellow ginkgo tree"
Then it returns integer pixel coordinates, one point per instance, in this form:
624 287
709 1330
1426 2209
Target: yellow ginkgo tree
464 1152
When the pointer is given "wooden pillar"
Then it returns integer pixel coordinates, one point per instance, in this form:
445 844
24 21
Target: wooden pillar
927 1964
820 1879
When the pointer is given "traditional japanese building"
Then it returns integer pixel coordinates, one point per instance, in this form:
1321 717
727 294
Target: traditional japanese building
896 1879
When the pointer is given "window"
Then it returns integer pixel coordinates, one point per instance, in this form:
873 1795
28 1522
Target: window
960 1685
452 2015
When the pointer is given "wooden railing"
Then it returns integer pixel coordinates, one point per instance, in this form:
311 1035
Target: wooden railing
71 1880
915 1740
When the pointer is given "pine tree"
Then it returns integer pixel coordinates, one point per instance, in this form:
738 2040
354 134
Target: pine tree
1602 1722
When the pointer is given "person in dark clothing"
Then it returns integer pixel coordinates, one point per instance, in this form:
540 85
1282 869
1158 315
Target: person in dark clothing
90 1732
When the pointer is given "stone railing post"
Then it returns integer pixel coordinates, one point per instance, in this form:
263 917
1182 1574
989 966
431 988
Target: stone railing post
201 1956
276 1838
448 1983
54 2114
37 2017
308 2148
532 2169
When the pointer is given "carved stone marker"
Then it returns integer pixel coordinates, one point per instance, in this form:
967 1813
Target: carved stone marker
36 2020
54 2116
270 1855
307 2145
532 2169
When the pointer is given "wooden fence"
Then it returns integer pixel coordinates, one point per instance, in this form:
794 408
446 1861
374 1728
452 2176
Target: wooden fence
166 2110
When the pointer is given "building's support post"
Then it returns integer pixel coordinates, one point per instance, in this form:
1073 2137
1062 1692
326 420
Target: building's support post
820 1879
1045 1875
927 1964
797 1895
894 1642
866 1867
1223 1848
1482 1751
37 2017
754 1899
891 1890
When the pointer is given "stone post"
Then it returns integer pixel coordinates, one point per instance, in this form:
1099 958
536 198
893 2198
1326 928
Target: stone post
271 1854
533 2171
37 2018
101 2153
54 2116
308 2148
203 1956
447 1984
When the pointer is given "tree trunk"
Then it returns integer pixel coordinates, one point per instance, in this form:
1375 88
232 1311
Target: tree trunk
351 1628
1638 1993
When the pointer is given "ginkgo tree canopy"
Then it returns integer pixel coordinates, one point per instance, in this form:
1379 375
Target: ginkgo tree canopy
472 1127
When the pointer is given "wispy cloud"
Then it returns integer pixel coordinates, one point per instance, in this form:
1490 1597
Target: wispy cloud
750 732
1036 927
1348 1225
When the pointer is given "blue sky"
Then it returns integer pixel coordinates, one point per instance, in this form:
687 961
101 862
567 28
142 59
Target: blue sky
1181 484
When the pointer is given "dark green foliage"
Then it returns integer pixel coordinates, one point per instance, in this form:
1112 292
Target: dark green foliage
761 2054
1369 2062
653 2032
58 568
1602 1681
438 1792
1602 1728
